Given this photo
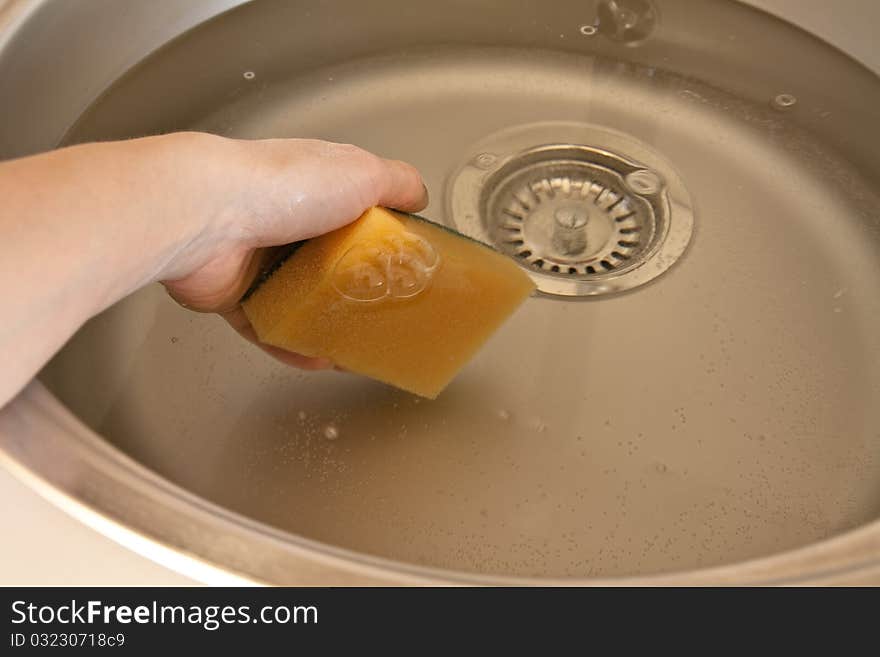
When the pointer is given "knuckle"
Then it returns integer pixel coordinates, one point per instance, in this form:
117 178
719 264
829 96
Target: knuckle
369 174
350 150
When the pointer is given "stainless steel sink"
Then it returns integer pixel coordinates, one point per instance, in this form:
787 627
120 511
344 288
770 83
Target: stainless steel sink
701 407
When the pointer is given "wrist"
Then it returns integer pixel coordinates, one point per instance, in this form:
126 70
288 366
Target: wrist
171 201
190 174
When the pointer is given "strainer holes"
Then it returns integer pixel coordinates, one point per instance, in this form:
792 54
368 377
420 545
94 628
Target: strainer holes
579 218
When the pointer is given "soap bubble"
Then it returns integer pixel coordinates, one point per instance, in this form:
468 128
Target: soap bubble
360 275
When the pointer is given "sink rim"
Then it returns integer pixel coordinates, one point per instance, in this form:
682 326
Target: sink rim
47 446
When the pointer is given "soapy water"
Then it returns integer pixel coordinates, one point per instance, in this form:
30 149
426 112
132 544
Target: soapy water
397 267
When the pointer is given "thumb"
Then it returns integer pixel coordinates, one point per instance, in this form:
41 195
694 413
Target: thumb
401 187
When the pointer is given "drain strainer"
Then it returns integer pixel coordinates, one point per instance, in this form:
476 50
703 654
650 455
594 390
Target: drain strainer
584 220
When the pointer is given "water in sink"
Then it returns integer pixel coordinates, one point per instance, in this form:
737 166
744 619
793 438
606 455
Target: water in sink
725 410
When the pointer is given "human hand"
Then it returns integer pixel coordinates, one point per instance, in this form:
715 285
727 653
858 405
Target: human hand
86 225
259 194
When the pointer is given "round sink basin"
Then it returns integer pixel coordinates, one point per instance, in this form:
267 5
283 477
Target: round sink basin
690 397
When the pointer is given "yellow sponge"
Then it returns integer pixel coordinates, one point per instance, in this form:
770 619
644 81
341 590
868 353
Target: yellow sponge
392 296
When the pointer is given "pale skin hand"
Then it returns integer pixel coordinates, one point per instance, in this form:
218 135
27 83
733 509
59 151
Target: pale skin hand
82 227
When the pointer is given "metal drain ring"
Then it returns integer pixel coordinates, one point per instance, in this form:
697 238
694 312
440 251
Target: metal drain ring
583 220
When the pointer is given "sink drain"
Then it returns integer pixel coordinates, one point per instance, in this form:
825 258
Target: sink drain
583 220
559 212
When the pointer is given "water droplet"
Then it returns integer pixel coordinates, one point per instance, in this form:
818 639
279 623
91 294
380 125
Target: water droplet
627 21
331 432
784 101
690 95
644 182
485 160
174 340
588 30
249 75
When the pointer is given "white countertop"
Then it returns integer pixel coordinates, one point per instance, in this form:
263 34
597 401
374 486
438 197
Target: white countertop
43 545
